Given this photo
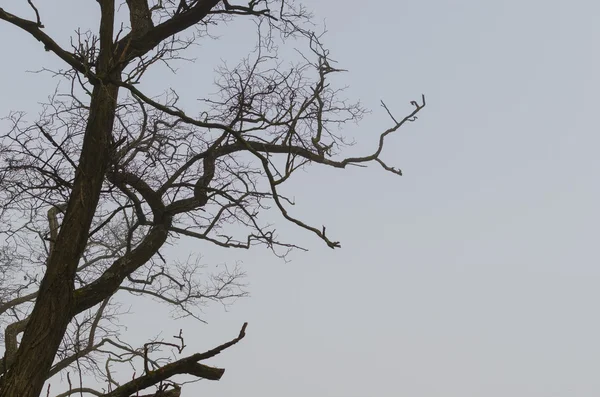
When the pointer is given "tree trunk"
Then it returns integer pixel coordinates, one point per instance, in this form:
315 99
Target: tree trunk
51 314
52 311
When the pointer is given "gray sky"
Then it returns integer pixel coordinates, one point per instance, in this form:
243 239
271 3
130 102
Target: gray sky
472 275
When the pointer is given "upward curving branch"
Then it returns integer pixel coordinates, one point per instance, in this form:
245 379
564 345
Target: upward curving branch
188 365
144 38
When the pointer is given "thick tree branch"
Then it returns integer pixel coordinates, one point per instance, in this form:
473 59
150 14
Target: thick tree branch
10 341
140 17
17 301
132 45
79 390
112 278
35 29
189 365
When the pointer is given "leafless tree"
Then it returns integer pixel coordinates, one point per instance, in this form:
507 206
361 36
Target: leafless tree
106 177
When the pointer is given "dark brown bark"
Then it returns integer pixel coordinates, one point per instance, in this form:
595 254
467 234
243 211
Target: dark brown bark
52 311
57 302
188 365
134 45
50 45
139 16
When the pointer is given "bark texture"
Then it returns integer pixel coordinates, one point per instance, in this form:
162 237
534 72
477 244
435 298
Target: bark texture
52 310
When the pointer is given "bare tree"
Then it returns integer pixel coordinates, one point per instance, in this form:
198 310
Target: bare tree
107 177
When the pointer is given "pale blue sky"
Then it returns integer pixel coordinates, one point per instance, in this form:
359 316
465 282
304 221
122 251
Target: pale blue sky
474 274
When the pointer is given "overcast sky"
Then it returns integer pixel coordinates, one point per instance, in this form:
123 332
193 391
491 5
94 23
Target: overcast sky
474 274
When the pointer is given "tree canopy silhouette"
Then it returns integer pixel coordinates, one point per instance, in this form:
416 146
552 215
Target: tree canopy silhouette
107 175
